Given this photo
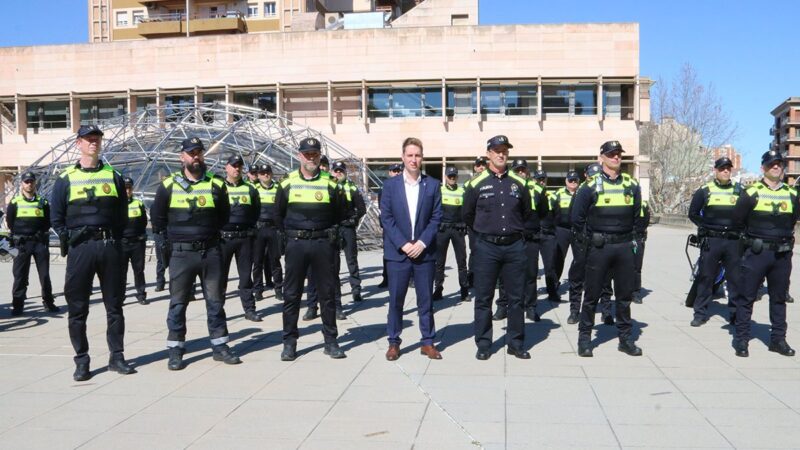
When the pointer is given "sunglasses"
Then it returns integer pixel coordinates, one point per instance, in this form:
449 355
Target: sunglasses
28 181
572 180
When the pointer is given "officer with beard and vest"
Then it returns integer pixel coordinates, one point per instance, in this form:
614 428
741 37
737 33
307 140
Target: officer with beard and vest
192 206
309 207
496 205
89 209
267 261
606 210
451 230
239 232
134 238
28 219
767 211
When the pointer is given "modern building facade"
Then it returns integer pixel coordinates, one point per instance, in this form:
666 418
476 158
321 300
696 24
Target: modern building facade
365 73
785 134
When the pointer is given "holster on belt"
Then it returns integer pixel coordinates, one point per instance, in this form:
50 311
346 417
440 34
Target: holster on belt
597 240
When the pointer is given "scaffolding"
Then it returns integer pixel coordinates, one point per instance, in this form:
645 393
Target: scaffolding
145 145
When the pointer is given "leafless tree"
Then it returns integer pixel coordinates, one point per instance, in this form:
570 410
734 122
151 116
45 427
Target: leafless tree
688 122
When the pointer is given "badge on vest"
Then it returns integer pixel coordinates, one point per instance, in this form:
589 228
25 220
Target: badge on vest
38 212
733 200
318 196
243 199
784 206
106 188
458 201
628 199
607 200
201 200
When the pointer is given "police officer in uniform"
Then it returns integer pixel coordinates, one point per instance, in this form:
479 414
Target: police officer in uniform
161 250
548 244
28 220
89 209
309 205
252 174
239 232
478 166
394 170
606 209
192 206
267 261
451 229
496 205
641 240
356 209
711 210
562 201
768 211
134 238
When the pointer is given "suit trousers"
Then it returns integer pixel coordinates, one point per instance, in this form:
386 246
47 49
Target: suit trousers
402 272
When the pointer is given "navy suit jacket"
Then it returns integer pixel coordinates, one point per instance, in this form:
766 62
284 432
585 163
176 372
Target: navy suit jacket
396 219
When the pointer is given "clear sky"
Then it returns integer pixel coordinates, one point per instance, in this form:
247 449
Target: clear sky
745 48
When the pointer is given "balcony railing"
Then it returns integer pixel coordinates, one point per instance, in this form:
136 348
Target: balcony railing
174 17
174 23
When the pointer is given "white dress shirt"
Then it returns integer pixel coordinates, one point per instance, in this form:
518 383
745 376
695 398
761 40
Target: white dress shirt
412 197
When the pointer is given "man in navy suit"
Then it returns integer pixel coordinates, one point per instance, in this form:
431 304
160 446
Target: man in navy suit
411 209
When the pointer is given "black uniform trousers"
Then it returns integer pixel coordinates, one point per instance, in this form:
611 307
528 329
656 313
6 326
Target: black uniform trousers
639 263
563 241
133 254
160 248
185 265
302 254
242 249
617 261
529 296
776 267
449 233
493 261
267 258
85 259
547 248
349 244
576 274
470 264
38 249
713 252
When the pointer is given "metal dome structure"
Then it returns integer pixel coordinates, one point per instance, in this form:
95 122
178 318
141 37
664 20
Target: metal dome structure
145 145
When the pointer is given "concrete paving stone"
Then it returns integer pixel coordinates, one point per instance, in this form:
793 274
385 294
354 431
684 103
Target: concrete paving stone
652 415
746 418
219 407
753 400
181 422
137 441
280 419
89 421
640 392
28 438
474 411
557 414
535 435
617 372
670 436
723 386
382 394
365 429
763 437
242 443
372 411
367 443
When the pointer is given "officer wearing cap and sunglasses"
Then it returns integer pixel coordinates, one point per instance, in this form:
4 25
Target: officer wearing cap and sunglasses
28 219
89 209
192 206
310 205
711 210
767 211
238 234
606 210
451 230
134 238
562 202
496 205
267 261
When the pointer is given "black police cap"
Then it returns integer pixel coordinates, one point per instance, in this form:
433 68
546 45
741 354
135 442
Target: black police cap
264 168
451 172
28 175
498 140
593 169
772 156
573 175
309 145
323 160
339 165
192 143
723 162
86 130
480 161
539 175
128 181
519 163
396 167
611 146
235 160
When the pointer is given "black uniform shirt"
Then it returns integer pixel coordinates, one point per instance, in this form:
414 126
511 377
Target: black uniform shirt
496 204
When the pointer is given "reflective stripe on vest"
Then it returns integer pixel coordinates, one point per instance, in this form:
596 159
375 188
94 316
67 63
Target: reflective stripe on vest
349 189
773 202
198 196
609 194
267 195
308 191
534 188
239 195
135 208
452 197
81 183
721 198
29 208
564 198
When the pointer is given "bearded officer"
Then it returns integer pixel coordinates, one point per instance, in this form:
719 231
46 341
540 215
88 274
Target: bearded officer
192 206
89 209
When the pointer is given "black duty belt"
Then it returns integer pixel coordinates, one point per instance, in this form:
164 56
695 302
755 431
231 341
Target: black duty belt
452 225
91 235
266 223
196 246
732 235
307 234
505 239
130 240
612 238
531 236
775 245
235 234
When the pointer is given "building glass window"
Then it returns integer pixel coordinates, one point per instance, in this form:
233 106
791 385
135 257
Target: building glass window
520 100
269 9
48 115
122 18
584 101
406 103
576 100
252 10
462 100
432 102
379 103
266 101
491 100
555 99
138 17
96 111
174 104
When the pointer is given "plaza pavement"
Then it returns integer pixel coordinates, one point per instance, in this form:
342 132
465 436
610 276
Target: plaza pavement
688 390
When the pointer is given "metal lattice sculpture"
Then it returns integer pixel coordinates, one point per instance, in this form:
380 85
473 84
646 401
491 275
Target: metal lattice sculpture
145 145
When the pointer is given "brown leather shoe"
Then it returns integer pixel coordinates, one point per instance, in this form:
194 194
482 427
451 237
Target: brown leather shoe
430 351
393 353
